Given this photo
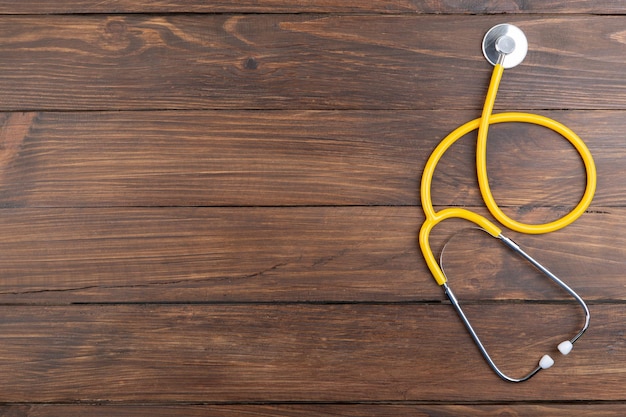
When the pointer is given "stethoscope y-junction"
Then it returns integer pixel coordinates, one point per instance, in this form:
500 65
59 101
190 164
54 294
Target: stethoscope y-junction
504 46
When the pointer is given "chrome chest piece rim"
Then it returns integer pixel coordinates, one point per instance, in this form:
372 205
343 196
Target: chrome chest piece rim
505 43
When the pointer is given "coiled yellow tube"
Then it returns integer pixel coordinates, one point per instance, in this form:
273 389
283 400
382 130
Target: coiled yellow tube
482 124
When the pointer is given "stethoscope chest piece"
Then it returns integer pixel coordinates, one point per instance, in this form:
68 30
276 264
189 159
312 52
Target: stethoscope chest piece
505 40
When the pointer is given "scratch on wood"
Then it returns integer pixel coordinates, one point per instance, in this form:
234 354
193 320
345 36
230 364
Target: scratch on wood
149 284
325 260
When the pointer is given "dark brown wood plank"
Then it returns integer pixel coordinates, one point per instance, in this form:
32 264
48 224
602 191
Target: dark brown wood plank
308 6
263 158
288 254
186 353
323 410
230 259
301 62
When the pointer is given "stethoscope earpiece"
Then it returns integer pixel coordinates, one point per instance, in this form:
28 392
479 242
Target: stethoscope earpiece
507 43
565 347
546 362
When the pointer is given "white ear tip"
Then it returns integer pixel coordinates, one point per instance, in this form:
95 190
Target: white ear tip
546 362
565 347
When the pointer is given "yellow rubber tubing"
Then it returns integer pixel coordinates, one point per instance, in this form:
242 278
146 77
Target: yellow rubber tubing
482 124
487 119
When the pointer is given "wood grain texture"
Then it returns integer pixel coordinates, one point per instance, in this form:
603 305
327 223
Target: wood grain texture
323 410
186 353
265 158
312 6
287 254
211 208
301 62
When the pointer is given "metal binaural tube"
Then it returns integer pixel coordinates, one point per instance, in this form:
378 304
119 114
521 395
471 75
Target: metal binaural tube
479 343
515 248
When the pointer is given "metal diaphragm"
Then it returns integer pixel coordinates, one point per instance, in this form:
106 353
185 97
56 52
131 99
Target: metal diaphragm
510 33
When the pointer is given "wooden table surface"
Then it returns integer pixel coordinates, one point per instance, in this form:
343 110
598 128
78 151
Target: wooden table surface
211 208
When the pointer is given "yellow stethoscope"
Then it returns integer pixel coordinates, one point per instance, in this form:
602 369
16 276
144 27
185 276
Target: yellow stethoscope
504 46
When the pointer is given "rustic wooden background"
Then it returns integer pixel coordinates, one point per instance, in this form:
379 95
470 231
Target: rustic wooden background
211 208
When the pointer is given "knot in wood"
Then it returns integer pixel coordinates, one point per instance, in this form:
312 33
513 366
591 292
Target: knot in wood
251 63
